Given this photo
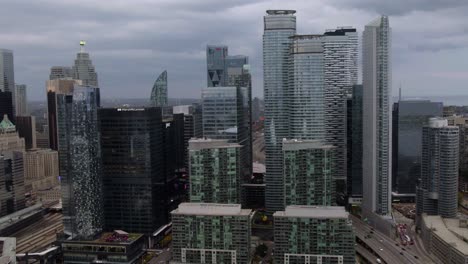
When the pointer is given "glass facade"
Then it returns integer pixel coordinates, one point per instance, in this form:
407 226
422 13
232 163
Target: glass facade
309 167
305 97
224 111
377 118
409 120
355 143
85 161
79 159
215 172
83 69
216 65
279 26
134 175
437 189
7 77
159 91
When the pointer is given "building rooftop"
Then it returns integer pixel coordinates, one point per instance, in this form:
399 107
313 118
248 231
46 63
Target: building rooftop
6 125
281 12
211 209
118 237
296 144
8 250
304 211
208 143
446 229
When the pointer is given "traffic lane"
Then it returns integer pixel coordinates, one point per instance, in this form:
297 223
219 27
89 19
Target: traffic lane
387 242
385 254
366 254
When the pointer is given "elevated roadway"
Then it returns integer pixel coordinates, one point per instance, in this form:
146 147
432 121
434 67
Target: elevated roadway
388 249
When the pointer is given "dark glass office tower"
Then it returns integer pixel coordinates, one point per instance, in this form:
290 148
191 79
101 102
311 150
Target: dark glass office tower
84 183
133 169
354 126
56 92
187 125
6 104
409 119
26 126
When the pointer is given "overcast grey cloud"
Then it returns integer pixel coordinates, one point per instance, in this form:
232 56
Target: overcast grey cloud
132 41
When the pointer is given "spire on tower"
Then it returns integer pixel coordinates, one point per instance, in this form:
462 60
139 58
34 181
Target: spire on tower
82 44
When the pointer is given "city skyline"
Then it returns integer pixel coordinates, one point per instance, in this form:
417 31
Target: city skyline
175 46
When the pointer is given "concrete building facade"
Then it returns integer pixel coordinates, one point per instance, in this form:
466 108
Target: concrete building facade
211 233
215 171
377 118
313 234
436 193
309 167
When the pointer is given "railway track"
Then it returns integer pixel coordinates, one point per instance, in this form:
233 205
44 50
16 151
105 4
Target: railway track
39 235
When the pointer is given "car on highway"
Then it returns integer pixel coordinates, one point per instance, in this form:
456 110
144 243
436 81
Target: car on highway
378 261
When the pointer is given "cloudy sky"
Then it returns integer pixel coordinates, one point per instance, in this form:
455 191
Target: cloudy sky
132 41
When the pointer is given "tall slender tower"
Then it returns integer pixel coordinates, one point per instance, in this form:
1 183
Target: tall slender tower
83 68
279 26
21 100
76 128
159 92
377 123
7 78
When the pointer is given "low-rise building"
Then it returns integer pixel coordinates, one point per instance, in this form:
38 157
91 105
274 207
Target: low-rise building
41 170
446 238
117 247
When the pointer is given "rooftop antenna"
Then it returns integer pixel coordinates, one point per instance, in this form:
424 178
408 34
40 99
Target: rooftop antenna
399 95
82 44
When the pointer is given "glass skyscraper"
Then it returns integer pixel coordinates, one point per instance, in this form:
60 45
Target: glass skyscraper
21 103
216 65
60 72
354 182
7 76
83 68
224 117
79 148
437 191
279 26
159 91
377 118
409 119
134 179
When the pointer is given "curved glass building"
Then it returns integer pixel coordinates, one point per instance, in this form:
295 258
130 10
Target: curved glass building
159 92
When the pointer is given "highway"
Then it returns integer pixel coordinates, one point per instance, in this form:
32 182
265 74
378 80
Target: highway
386 247
366 254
